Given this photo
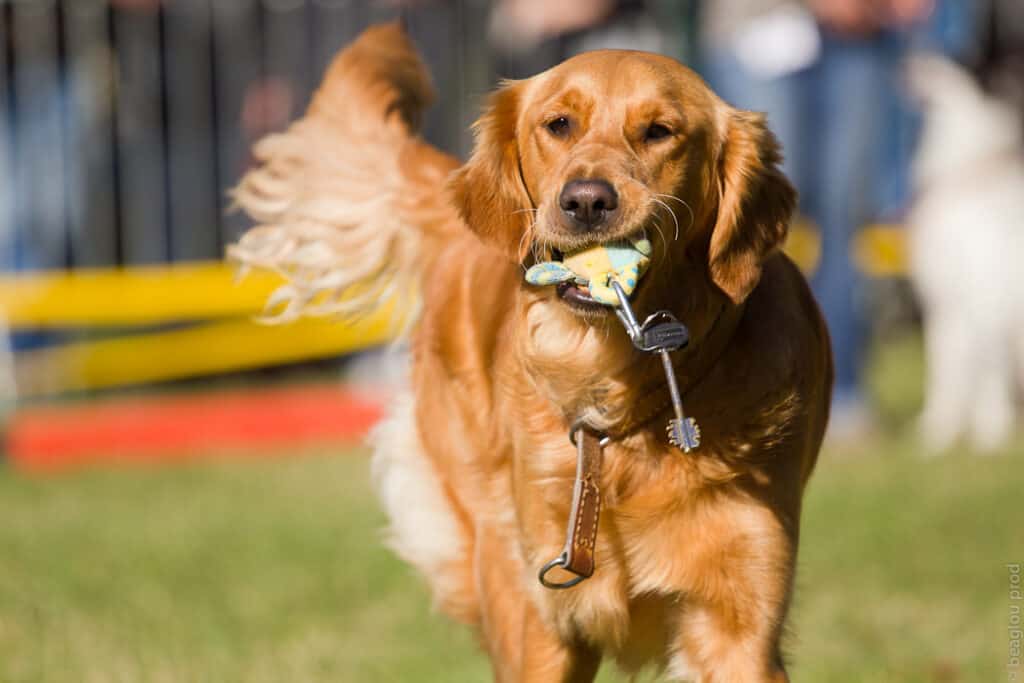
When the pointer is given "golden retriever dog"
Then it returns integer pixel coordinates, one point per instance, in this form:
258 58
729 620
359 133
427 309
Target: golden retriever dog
695 552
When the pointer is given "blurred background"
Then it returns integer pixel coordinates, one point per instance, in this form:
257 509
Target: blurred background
184 495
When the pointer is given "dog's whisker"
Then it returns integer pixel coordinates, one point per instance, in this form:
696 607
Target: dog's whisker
522 243
689 209
528 234
664 242
539 248
666 253
670 213
654 198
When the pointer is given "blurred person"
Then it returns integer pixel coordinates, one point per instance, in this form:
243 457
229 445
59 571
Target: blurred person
1000 61
40 132
823 71
529 36
33 124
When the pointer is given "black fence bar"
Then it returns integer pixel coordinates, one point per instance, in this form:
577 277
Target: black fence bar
7 231
124 122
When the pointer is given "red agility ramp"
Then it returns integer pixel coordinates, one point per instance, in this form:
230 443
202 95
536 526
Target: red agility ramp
169 428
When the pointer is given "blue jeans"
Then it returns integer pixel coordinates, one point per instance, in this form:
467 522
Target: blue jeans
832 119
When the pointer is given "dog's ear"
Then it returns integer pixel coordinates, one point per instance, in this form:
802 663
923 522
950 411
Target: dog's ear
756 202
488 190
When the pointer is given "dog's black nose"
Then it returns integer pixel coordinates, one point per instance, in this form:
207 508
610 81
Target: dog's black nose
588 202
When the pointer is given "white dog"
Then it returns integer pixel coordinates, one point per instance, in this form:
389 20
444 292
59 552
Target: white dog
966 233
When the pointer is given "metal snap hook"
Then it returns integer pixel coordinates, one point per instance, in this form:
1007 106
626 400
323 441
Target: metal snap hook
580 423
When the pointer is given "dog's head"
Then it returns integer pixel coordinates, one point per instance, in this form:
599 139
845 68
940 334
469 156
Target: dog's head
611 144
964 126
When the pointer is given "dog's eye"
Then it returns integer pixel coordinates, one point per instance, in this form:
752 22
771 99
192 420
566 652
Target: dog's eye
558 127
656 131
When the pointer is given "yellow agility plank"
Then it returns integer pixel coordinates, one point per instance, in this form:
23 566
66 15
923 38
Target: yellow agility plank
148 295
203 350
132 296
803 245
878 250
881 251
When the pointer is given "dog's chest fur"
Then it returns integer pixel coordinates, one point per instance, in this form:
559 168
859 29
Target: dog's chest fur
677 532
666 531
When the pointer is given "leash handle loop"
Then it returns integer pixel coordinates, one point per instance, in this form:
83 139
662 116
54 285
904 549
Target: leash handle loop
577 555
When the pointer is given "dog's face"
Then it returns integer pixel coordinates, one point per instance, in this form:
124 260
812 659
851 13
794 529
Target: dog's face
935 81
963 125
612 144
602 139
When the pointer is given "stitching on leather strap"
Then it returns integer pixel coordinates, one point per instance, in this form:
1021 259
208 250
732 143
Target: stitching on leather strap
578 554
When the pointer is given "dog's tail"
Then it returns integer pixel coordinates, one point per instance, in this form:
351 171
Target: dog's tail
349 202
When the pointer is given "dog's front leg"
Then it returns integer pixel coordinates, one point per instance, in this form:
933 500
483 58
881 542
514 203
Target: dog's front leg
715 649
547 658
731 626
739 582
522 647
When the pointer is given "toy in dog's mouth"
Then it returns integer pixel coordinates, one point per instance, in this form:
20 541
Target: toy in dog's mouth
583 277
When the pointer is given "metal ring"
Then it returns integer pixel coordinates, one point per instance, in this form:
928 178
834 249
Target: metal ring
559 561
578 423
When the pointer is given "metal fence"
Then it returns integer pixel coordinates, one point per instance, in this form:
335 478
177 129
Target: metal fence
123 122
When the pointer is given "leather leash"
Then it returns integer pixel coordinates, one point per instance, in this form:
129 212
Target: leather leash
581 536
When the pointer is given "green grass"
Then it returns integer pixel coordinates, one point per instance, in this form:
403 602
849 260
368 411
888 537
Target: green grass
272 570
902 572
256 571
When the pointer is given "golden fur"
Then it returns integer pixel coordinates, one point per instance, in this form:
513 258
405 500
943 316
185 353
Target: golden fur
696 553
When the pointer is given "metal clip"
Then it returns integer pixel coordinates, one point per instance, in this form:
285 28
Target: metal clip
662 333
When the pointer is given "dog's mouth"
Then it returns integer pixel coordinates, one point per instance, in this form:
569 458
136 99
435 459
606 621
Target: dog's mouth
578 296
613 267
575 294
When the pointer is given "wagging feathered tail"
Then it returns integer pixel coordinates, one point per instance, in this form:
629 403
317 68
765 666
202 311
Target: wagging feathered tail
348 201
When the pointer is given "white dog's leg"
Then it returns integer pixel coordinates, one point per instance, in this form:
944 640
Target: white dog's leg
992 406
1018 358
947 341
